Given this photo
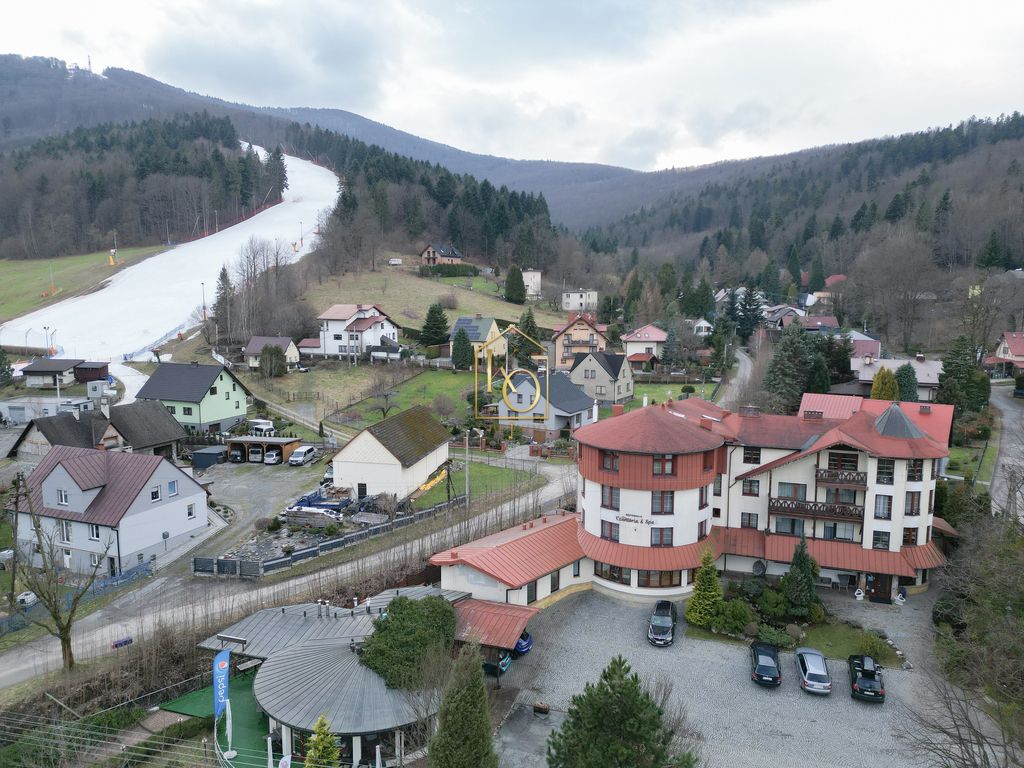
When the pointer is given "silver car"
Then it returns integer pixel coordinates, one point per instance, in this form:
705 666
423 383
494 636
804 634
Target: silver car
813 669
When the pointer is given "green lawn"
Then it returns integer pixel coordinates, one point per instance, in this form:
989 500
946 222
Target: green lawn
419 390
988 462
483 479
660 392
480 284
27 280
838 641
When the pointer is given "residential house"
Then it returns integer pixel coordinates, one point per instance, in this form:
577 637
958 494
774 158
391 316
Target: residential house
864 369
559 406
579 300
256 344
110 510
202 398
775 315
48 373
351 330
92 370
701 328
1008 358
532 281
21 410
582 333
644 346
394 456
813 323
436 253
604 376
142 426
481 330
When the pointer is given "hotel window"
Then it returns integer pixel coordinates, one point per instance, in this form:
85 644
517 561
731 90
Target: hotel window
748 520
531 592
880 540
751 455
186 410
717 490
703 497
613 573
910 535
576 568
840 496
702 529
191 513
913 506
883 507
716 513
844 461
62 497
94 532
751 487
659 579
609 497
839 531
172 487
663 464
154 493
609 531
660 537
885 472
555 581
797 491
662 502
915 470
610 461
791 526
65 531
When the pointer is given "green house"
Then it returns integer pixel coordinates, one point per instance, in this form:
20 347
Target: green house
202 398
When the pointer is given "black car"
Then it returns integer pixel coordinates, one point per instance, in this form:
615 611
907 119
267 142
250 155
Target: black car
764 664
866 681
662 629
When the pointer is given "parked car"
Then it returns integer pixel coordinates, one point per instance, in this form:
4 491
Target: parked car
26 599
256 454
764 664
272 456
497 666
302 455
866 681
813 669
523 645
662 627
328 478
237 455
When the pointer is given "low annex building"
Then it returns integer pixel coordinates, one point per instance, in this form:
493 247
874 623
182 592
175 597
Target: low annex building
257 344
661 484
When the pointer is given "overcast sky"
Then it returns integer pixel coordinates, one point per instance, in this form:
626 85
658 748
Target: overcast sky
640 84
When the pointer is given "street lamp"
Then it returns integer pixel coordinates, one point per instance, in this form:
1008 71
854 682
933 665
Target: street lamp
27 332
203 285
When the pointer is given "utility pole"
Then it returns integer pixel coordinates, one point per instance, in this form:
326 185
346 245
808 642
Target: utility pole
467 470
19 491
216 221
203 286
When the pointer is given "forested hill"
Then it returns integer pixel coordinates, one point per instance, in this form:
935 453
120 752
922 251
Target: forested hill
147 182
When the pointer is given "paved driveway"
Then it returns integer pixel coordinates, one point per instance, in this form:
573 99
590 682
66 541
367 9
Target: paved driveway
744 725
1011 450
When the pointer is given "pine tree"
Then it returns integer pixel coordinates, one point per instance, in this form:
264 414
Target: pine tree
615 723
820 379
816 281
993 255
811 228
707 592
750 313
222 303
435 327
906 380
463 737
322 748
668 282
859 221
884 386
798 583
838 228
793 264
897 208
6 372
732 307
515 288
961 384
788 370
462 350
671 352
521 347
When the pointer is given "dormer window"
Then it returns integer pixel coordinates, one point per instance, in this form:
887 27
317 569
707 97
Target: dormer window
62 497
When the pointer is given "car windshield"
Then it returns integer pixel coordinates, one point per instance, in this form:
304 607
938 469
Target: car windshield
661 621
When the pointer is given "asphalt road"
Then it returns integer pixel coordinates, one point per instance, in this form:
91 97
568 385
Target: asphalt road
744 366
1011 449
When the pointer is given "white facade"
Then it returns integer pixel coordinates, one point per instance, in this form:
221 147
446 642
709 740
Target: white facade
354 335
579 299
368 468
531 279
465 578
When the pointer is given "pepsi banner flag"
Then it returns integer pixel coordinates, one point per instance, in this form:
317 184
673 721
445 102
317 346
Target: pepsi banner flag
221 665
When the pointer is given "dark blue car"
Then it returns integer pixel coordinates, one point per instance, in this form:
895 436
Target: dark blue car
523 645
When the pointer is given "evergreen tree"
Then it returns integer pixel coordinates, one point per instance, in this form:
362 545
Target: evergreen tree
769 280
707 592
993 255
872 218
435 327
798 583
750 313
732 307
463 737
819 379
906 380
519 348
671 351
958 385
222 302
272 362
615 724
859 221
793 265
897 208
322 748
634 290
884 386
787 372
924 216
6 371
462 350
277 173
943 212
811 228
838 228
816 281
515 288
668 282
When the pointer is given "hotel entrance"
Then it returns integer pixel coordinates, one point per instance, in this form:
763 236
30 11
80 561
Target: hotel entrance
878 587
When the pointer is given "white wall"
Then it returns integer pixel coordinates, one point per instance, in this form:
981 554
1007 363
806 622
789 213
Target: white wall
142 527
634 514
365 460
483 587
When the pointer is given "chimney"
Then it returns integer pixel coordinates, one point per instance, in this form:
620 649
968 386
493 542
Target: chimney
813 415
617 409
750 410
479 316
595 410
924 408
705 423
645 401
919 357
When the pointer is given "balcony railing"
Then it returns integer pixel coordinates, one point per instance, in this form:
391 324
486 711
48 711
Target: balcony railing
815 509
841 477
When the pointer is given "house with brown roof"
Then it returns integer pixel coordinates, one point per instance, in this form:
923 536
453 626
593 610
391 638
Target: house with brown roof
109 510
351 330
394 456
581 333
257 344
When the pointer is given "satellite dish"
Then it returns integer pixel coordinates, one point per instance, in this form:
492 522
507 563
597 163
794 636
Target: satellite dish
759 568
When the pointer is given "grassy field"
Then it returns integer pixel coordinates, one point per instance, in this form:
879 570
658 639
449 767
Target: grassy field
479 283
419 390
838 641
483 479
406 297
26 280
657 392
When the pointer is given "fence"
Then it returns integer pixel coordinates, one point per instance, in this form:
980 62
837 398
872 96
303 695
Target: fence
208 566
146 350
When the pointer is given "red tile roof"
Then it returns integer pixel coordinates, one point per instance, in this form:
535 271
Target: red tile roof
923 556
497 625
587 318
811 321
309 344
646 333
840 555
934 419
345 311
863 347
654 429
765 430
519 555
641 357
832 280
1015 341
647 558
365 323
942 526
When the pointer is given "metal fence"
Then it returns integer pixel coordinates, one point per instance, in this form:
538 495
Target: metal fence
208 566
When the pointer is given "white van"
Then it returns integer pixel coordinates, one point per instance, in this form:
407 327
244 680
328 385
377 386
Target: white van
256 454
302 455
262 427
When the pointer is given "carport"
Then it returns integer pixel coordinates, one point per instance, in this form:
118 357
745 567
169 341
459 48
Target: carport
286 444
491 624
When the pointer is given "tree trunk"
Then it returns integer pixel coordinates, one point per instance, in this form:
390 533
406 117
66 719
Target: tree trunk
65 649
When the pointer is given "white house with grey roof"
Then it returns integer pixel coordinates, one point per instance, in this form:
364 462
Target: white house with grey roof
604 376
560 408
109 510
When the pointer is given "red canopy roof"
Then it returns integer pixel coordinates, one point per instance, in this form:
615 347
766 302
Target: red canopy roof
654 429
841 555
647 558
942 526
497 625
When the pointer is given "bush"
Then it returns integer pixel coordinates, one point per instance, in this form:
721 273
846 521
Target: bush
274 524
872 645
331 530
449 301
772 604
794 631
776 637
751 629
261 524
753 588
687 389
817 614
731 617
449 270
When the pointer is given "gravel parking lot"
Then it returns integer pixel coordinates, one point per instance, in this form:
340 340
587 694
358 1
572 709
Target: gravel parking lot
742 723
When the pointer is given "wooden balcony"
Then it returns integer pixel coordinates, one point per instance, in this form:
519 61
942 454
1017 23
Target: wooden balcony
842 478
816 509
